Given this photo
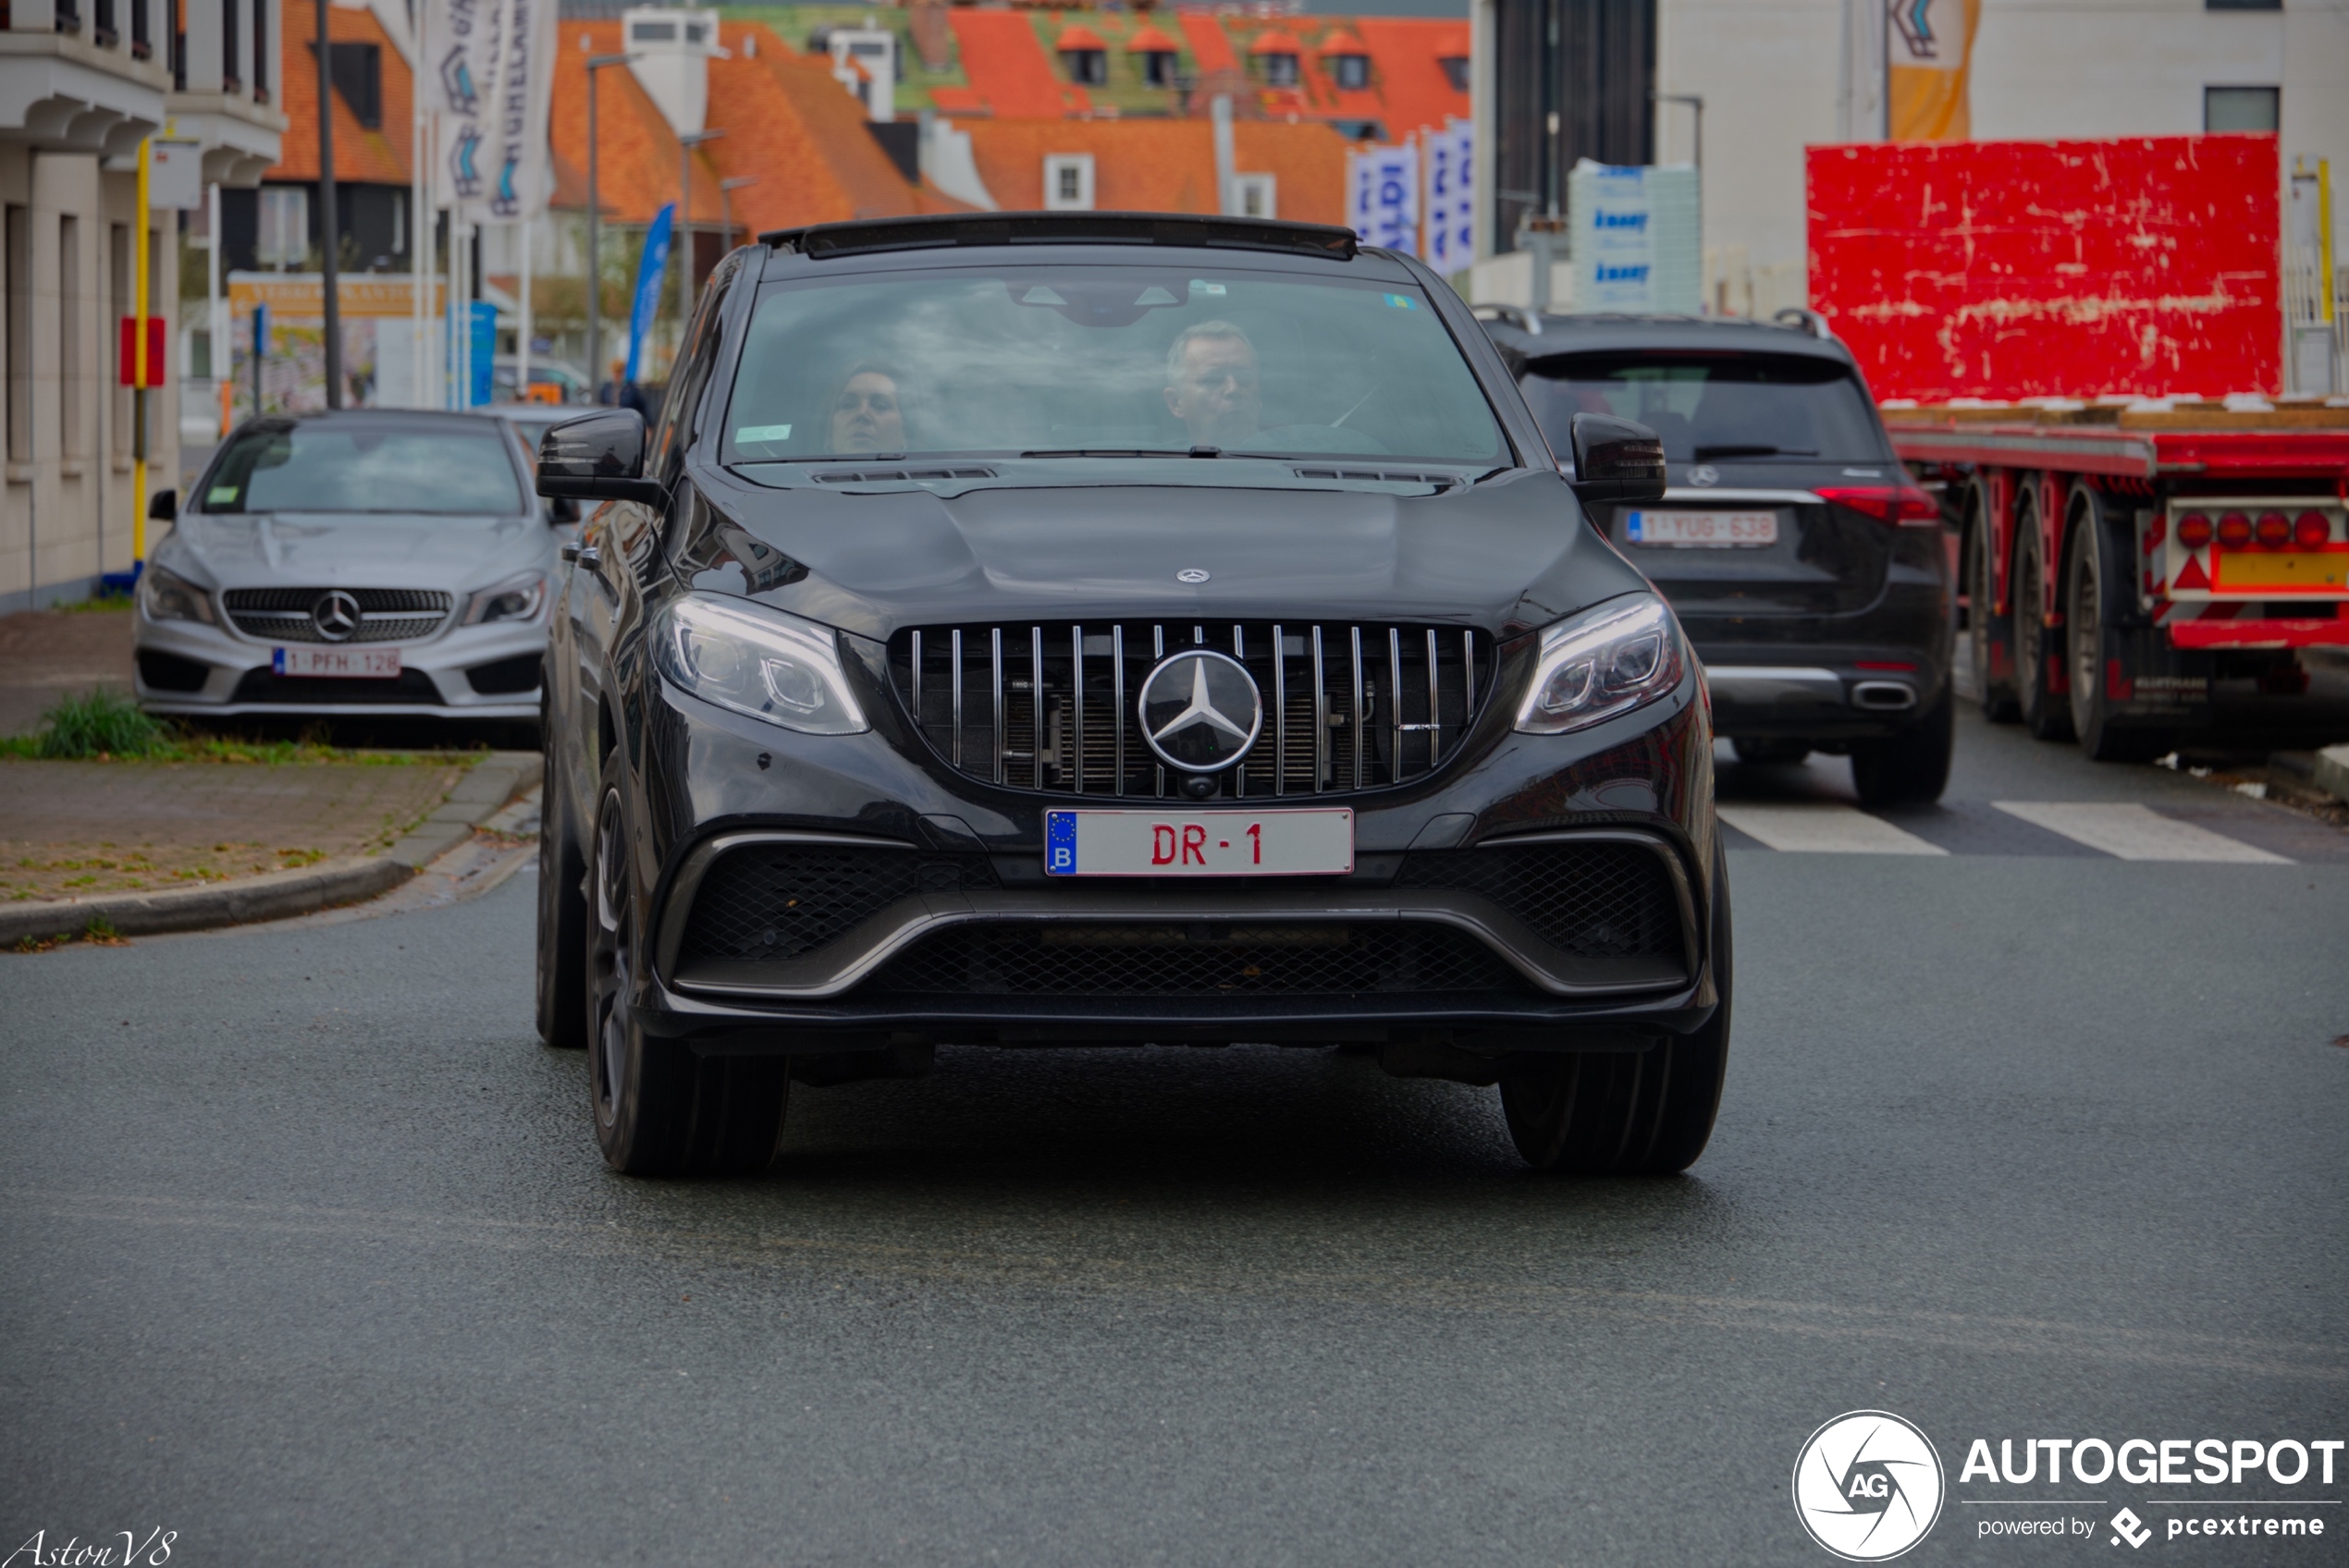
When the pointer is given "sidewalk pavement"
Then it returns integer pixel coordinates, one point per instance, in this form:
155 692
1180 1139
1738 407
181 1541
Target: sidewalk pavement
144 846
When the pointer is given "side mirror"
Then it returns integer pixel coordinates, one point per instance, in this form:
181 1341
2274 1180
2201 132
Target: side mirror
164 506
1616 461
599 457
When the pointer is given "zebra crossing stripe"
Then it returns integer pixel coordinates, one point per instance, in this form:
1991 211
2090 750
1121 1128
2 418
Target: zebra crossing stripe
1824 827
2133 832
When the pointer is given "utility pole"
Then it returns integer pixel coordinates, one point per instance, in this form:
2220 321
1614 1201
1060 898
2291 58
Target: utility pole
329 227
594 233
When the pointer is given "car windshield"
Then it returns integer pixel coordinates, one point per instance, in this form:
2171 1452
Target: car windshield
362 467
1115 361
1715 407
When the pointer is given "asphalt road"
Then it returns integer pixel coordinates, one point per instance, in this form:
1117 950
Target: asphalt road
310 1259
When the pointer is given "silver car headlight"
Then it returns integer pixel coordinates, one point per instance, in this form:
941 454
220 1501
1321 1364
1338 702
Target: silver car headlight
1608 660
165 595
757 661
518 598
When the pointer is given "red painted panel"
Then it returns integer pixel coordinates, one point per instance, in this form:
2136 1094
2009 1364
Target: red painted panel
2014 269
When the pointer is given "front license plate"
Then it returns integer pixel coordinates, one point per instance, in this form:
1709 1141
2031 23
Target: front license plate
1715 531
355 663
1199 843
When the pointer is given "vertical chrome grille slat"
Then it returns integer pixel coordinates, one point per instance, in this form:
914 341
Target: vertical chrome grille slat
995 655
1034 728
958 696
1280 706
1355 781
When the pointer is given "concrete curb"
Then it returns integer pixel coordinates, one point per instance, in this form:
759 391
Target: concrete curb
479 795
2331 772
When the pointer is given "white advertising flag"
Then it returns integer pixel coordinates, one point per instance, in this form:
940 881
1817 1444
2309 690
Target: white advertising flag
519 180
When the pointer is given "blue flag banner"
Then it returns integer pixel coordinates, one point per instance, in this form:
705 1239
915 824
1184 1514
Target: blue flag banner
649 268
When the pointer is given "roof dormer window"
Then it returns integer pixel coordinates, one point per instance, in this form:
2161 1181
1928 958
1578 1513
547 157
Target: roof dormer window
1084 57
1275 55
1157 54
1456 71
1347 61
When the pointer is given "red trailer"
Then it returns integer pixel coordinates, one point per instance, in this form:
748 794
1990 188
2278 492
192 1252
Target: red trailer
2122 568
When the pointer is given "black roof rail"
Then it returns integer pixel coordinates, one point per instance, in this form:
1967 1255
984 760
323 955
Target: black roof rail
1801 320
942 230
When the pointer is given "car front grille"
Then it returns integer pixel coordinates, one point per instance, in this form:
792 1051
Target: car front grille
386 615
1596 900
1197 959
1051 705
786 900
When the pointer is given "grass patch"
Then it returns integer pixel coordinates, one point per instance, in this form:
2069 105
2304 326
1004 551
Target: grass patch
106 726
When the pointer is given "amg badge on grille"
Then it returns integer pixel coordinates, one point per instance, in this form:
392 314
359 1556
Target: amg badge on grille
1200 711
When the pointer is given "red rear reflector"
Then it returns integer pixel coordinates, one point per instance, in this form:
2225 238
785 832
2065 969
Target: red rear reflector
1904 506
2235 531
2193 531
2275 531
2311 532
1883 664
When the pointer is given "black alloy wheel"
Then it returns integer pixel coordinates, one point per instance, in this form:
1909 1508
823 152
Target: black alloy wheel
660 1108
1628 1113
1911 767
1995 696
2094 647
562 916
2038 647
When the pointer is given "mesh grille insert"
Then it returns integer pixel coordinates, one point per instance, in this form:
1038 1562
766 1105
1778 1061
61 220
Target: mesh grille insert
786 900
1594 900
1195 959
386 615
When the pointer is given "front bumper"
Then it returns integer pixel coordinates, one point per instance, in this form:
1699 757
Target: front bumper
436 674
714 786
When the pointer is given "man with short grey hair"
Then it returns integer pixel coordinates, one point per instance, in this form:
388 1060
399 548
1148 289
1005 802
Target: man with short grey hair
1211 383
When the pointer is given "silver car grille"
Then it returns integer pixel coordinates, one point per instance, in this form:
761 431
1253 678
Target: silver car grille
386 615
1051 705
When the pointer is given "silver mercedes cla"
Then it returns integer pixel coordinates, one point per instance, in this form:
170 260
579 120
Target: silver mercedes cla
375 562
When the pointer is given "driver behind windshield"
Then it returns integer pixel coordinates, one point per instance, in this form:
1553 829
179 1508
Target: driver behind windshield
1211 383
866 415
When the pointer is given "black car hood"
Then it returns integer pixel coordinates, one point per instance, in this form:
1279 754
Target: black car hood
1508 555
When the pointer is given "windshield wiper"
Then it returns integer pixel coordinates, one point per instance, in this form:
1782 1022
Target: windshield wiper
1127 452
1754 452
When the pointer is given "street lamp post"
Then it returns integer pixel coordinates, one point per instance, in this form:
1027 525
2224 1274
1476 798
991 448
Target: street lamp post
595 232
685 145
726 187
329 225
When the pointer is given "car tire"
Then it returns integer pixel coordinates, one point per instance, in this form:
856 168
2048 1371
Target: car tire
660 1108
2037 647
1912 768
562 920
1628 1113
1982 632
2094 645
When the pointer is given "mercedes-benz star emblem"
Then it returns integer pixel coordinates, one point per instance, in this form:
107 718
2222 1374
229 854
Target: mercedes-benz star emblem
1200 711
336 615
1191 574
1704 473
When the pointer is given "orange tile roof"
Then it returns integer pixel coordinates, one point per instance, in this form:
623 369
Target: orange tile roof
1005 63
1164 165
1209 45
1338 40
1275 40
1148 40
379 157
1414 91
1079 37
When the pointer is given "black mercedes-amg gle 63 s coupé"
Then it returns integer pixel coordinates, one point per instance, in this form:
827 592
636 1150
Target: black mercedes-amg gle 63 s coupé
1080 628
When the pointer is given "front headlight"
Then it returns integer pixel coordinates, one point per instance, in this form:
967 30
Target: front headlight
757 661
1608 660
516 599
167 596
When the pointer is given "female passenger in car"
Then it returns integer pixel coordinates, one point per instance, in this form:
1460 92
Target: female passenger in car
867 414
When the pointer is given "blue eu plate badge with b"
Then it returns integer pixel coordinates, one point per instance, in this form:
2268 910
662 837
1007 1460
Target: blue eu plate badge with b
1060 843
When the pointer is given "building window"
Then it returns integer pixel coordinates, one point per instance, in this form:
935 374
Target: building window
1280 70
119 302
284 239
232 57
357 70
20 260
1158 68
261 51
1351 72
653 32
2242 108
2242 4
1253 195
71 431
1068 182
1456 71
142 46
1087 68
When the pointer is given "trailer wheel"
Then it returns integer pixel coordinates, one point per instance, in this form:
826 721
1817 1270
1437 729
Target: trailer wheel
2038 647
2096 654
1984 630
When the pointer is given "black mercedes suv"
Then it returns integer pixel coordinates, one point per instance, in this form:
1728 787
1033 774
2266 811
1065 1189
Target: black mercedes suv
1068 628
1812 575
